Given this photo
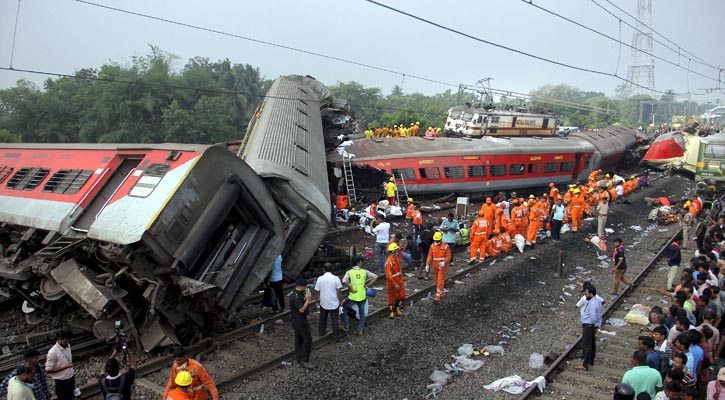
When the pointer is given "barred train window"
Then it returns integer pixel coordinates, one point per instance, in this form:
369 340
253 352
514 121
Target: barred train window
453 172
516 169
429 173
498 170
27 178
67 181
5 171
150 179
534 168
566 166
476 171
407 174
550 167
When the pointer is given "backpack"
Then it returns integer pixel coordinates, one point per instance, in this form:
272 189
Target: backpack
113 393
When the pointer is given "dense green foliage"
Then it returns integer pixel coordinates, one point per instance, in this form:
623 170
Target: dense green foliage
150 101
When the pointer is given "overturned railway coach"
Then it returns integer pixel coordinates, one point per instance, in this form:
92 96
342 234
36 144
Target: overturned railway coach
167 238
445 165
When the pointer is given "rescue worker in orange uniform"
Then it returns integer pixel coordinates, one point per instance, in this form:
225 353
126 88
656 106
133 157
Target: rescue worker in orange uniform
371 210
553 191
525 215
201 380
569 194
612 193
394 279
417 217
479 237
691 209
494 245
518 217
536 222
500 218
593 197
439 256
506 242
594 176
182 391
577 210
697 203
489 211
409 209
635 182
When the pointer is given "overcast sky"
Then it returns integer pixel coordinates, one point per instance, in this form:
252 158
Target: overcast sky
63 36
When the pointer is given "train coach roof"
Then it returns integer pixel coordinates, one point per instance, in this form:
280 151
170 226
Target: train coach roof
366 149
108 146
717 138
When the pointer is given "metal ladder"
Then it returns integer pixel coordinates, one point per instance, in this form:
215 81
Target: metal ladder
349 180
402 194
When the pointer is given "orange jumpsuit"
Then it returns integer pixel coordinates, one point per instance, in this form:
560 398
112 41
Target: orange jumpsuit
394 276
613 193
494 245
536 222
635 183
489 212
200 383
371 210
554 193
594 175
498 219
178 394
409 211
697 203
378 132
525 211
479 236
518 217
577 211
567 196
437 254
506 242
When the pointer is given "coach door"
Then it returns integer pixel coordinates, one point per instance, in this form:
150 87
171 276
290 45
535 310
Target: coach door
89 214
577 166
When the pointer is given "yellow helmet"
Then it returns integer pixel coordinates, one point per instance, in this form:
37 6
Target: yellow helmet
577 190
437 236
410 199
687 204
631 177
591 190
391 179
183 378
393 247
395 126
607 176
411 124
531 196
417 123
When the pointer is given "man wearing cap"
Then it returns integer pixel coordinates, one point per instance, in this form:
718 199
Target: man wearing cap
396 286
357 280
479 238
201 381
716 389
391 190
182 391
439 256
299 304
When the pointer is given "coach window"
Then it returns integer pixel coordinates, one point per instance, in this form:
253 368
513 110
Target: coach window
5 171
550 167
150 179
516 169
476 171
566 166
429 173
453 172
67 181
498 170
407 174
494 120
534 168
27 178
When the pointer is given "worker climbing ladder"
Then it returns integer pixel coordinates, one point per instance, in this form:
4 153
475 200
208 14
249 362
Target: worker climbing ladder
402 189
349 180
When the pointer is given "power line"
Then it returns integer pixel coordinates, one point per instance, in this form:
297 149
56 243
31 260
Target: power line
511 49
251 39
661 35
530 2
678 50
15 33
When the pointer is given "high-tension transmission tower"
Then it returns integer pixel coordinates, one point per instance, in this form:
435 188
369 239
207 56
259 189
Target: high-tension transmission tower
642 66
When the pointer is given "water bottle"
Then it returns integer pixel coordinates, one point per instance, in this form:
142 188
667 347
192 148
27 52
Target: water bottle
261 329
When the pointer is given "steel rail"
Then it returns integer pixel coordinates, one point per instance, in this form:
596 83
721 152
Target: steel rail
564 356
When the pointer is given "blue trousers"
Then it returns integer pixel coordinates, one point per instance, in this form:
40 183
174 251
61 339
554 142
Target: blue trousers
382 251
362 310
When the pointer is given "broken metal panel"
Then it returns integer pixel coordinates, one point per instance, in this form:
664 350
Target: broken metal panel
158 334
93 298
16 271
190 287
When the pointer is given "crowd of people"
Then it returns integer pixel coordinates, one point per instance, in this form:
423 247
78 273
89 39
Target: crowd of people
681 353
402 130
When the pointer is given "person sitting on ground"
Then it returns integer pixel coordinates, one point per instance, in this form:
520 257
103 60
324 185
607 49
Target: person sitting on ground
641 377
411 252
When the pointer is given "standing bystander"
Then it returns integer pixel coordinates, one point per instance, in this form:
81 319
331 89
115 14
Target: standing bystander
557 218
299 305
449 227
328 290
602 211
275 282
31 359
114 384
59 366
591 318
672 253
357 280
620 266
20 387
381 231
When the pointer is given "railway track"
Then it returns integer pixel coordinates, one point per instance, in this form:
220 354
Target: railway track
613 351
267 343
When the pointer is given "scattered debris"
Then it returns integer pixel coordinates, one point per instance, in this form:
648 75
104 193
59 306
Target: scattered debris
618 322
515 384
536 361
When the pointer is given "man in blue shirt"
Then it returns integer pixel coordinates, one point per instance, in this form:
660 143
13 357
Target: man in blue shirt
275 282
449 227
647 344
591 316
683 344
557 219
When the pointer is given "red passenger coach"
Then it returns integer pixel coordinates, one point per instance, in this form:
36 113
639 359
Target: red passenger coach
444 165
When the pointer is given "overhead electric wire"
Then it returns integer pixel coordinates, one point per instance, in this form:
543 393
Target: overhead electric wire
700 60
511 49
530 2
251 39
654 39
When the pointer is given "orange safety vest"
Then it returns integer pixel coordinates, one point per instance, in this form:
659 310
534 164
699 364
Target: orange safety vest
178 394
479 227
417 217
409 211
371 210
438 253
200 383
505 241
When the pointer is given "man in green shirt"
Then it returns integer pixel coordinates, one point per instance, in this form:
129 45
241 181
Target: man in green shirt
641 377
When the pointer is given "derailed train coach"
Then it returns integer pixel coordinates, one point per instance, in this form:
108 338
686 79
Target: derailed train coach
167 238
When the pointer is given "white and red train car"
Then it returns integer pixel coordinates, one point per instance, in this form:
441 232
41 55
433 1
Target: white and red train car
154 235
445 165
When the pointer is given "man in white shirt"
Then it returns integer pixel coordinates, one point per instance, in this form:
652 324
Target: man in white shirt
381 231
329 295
20 387
59 366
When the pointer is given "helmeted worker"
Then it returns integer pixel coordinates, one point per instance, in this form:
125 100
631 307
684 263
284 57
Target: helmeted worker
439 255
391 191
691 209
595 175
577 210
417 217
506 241
182 391
394 279
409 209
524 217
479 237
517 214
612 193
494 245
201 380
635 182
536 222
553 191
371 210
697 203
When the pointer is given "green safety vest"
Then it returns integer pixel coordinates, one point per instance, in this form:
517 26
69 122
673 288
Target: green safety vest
357 281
